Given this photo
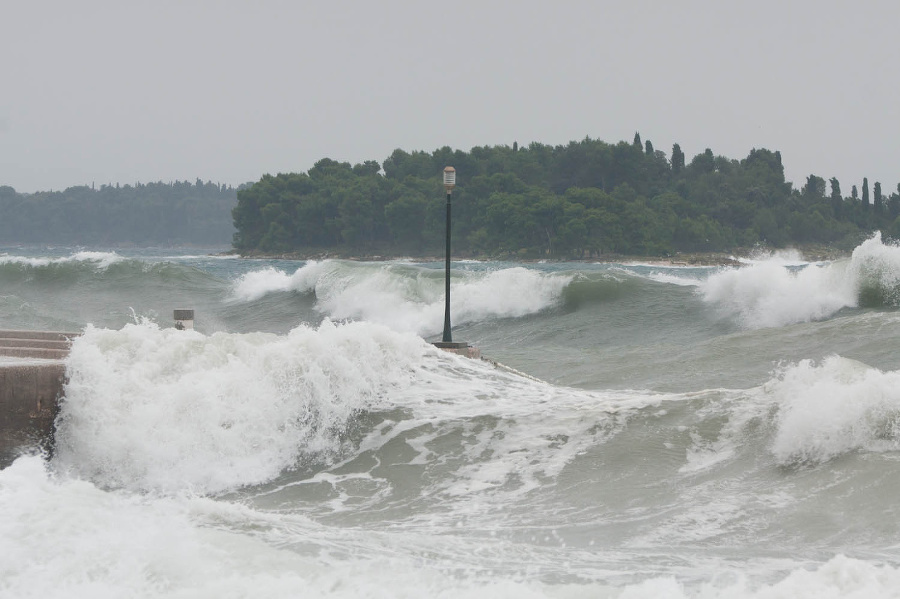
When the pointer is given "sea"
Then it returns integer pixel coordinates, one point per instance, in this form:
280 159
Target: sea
639 430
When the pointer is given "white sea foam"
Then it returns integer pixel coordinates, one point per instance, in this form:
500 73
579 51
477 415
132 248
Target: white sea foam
774 291
162 410
409 300
102 259
166 410
673 278
840 577
259 283
66 538
516 433
829 409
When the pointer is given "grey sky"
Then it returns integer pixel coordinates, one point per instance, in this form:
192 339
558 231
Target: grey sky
226 91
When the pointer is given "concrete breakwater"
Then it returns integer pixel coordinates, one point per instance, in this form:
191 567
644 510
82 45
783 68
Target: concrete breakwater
32 377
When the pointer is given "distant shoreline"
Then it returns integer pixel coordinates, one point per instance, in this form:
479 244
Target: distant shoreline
737 258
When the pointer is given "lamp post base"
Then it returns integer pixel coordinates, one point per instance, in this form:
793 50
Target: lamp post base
460 348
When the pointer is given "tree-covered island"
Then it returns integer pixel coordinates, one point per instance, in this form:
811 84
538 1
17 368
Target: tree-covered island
584 199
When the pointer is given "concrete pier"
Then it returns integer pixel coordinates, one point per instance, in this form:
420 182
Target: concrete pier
32 377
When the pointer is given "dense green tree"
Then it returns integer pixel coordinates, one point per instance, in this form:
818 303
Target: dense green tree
703 163
814 188
369 167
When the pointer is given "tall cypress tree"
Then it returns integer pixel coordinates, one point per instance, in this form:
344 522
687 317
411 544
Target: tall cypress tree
865 191
837 200
677 159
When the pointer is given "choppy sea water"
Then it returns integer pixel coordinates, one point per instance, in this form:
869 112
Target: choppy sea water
681 432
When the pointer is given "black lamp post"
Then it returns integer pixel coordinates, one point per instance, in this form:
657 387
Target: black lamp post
449 184
447 344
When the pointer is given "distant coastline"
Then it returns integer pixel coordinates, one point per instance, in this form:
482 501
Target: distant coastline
815 253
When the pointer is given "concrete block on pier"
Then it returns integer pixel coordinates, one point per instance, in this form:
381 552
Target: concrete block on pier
29 400
32 379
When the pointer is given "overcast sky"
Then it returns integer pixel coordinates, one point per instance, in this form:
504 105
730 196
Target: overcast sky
121 91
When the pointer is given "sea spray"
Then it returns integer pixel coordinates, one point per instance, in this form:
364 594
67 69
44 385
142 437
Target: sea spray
876 267
160 409
783 257
827 410
768 294
254 285
777 291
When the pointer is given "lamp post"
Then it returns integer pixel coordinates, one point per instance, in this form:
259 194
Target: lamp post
449 184
461 348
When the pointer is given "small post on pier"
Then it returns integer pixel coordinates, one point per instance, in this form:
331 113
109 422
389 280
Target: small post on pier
184 320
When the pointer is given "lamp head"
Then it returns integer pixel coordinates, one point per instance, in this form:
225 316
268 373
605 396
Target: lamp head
449 178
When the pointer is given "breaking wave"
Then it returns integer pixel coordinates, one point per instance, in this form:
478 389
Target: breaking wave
781 290
405 297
